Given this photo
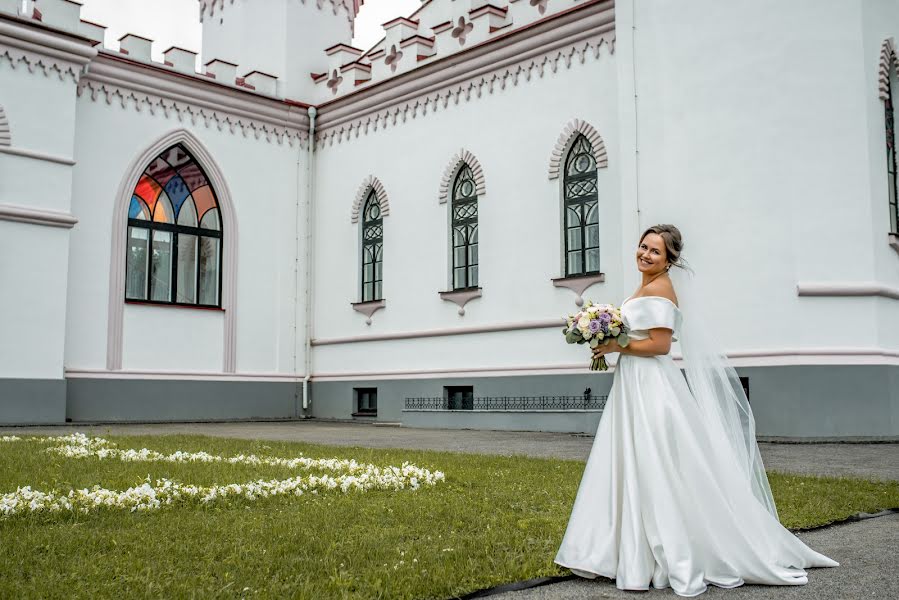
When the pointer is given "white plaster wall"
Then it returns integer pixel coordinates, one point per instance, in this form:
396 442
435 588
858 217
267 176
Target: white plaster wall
32 299
752 138
262 177
512 132
880 20
172 339
34 258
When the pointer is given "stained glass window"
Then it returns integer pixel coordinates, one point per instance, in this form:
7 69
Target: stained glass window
372 249
174 253
581 221
465 230
892 184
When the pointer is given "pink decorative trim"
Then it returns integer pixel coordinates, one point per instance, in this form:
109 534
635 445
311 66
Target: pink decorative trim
139 37
36 216
194 99
368 308
343 48
43 50
427 333
566 139
888 57
178 375
460 298
116 301
60 160
488 9
5 134
417 39
355 65
466 157
894 241
461 372
846 289
400 21
370 182
579 284
441 27
751 358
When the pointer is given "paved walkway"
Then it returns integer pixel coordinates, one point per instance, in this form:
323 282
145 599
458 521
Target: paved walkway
866 550
880 461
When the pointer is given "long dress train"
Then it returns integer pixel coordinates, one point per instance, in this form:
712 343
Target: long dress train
662 500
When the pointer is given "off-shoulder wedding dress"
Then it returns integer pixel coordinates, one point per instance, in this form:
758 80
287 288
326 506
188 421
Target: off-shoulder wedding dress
665 498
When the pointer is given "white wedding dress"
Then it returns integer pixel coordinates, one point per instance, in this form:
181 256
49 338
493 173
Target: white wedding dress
662 499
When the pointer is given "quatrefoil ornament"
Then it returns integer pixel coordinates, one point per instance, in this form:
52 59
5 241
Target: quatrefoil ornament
540 4
394 57
334 81
461 30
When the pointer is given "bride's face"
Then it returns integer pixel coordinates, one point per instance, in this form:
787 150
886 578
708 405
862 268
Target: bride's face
652 257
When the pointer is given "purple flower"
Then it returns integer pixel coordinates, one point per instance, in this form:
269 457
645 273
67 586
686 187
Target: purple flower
605 318
595 325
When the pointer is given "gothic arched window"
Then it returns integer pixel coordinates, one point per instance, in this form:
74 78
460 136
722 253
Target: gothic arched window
174 246
890 123
465 230
581 221
372 248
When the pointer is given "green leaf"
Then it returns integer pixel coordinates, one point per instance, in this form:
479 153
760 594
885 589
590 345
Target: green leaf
623 340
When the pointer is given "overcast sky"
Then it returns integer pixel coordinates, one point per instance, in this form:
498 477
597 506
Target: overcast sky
177 22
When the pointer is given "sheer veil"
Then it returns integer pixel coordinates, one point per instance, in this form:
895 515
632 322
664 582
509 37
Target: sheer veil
716 387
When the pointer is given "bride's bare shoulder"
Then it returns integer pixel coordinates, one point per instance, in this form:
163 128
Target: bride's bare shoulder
663 287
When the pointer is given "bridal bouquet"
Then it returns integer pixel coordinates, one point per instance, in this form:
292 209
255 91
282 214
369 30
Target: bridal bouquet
596 324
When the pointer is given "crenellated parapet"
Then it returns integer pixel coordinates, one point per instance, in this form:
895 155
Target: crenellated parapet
437 30
65 16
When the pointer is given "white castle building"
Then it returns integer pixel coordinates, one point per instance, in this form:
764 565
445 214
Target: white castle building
307 229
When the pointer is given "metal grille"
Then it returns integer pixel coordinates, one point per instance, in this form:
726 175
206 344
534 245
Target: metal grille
465 230
892 184
581 228
372 249
511 403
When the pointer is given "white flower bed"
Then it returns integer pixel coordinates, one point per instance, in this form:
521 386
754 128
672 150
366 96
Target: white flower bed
349 476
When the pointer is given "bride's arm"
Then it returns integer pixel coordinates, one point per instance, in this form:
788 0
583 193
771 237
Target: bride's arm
658 343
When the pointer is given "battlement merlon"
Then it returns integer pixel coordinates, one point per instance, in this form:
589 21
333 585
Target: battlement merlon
280 37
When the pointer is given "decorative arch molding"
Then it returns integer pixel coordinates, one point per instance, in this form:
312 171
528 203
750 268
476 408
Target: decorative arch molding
567 137
888 57
371 182
466 157
5 135
116 308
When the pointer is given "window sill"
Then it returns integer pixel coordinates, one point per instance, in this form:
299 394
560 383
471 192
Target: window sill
579 284
461 297
364 414
368 308
174 305
894 241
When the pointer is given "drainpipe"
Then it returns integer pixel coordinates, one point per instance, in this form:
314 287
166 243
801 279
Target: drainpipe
310 192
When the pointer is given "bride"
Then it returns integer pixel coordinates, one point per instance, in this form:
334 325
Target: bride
674 492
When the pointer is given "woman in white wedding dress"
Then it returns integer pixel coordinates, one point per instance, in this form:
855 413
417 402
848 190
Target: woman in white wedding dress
674 492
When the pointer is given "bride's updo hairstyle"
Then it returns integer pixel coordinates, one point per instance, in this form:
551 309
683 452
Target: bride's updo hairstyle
674 242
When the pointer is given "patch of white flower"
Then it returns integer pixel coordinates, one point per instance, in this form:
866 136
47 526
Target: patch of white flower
349 476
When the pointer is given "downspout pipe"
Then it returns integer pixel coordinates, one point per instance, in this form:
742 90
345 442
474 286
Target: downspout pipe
310 204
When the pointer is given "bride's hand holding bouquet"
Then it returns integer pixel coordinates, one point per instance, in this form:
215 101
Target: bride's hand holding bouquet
602 327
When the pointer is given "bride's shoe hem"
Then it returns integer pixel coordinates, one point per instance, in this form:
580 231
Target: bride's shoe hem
588 574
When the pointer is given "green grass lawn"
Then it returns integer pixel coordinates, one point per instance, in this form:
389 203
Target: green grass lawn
494 520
